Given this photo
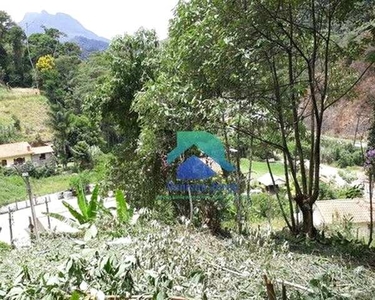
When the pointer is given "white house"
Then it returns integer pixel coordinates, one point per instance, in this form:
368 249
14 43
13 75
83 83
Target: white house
357 211
22 152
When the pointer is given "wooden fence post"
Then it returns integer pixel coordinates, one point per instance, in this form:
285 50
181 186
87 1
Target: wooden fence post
10 226
47 209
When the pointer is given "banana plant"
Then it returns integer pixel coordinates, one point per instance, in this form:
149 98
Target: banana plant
124 214
87 210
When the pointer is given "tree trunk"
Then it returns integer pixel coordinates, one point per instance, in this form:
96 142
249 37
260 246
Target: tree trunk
308 220
371 212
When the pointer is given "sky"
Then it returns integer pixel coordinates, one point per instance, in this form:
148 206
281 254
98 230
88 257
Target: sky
106 18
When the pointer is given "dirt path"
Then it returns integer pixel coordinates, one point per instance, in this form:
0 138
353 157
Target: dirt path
25 91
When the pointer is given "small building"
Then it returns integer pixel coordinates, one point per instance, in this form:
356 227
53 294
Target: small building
271 186
42 155
22 152
356 211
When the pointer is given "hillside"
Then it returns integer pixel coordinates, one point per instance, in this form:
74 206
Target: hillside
30 108
89 45
342 119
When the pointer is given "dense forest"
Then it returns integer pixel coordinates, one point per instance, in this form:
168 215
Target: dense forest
248 72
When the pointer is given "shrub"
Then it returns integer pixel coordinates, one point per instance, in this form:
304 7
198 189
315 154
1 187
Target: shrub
348 176
326 192
344 153
81 180
43 171
345 160
264 206
34 171
350 192
4 247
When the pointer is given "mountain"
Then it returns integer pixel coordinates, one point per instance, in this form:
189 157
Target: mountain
74 30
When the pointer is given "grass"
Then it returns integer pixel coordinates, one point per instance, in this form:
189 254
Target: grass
260 168
30 108
13 187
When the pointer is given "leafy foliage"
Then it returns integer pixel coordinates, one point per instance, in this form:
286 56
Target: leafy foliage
164 261
87 210
123 213
45 63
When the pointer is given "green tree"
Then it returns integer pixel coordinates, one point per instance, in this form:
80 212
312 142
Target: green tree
11 51
132 61
261 60
18 68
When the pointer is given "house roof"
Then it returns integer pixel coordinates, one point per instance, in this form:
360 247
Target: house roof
15 149
41 150
334 210
22 149
267 180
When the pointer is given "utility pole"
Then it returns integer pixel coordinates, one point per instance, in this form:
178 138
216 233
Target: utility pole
26 179
31 61
356 128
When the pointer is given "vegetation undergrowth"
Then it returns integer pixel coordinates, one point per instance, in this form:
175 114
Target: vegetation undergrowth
151 258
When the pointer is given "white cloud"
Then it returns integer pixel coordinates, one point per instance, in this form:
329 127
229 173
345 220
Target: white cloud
106 18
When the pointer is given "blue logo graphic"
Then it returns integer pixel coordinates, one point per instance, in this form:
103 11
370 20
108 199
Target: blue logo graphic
194 168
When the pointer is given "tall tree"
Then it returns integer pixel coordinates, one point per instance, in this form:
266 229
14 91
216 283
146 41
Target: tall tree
16 39
281 62
133 61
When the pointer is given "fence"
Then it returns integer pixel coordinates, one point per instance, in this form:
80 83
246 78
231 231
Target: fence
19 213
11 211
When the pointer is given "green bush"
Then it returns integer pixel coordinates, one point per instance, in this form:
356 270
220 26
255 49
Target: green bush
348 176
350 192
327 192
43 172
265 207
81 180
4 247
344 153
34 171
345 160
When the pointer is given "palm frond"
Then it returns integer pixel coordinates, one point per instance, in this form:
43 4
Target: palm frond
123 213
80 218
82 203
63 219
93 205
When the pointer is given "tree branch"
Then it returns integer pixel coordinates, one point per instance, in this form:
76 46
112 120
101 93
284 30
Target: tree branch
350 88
